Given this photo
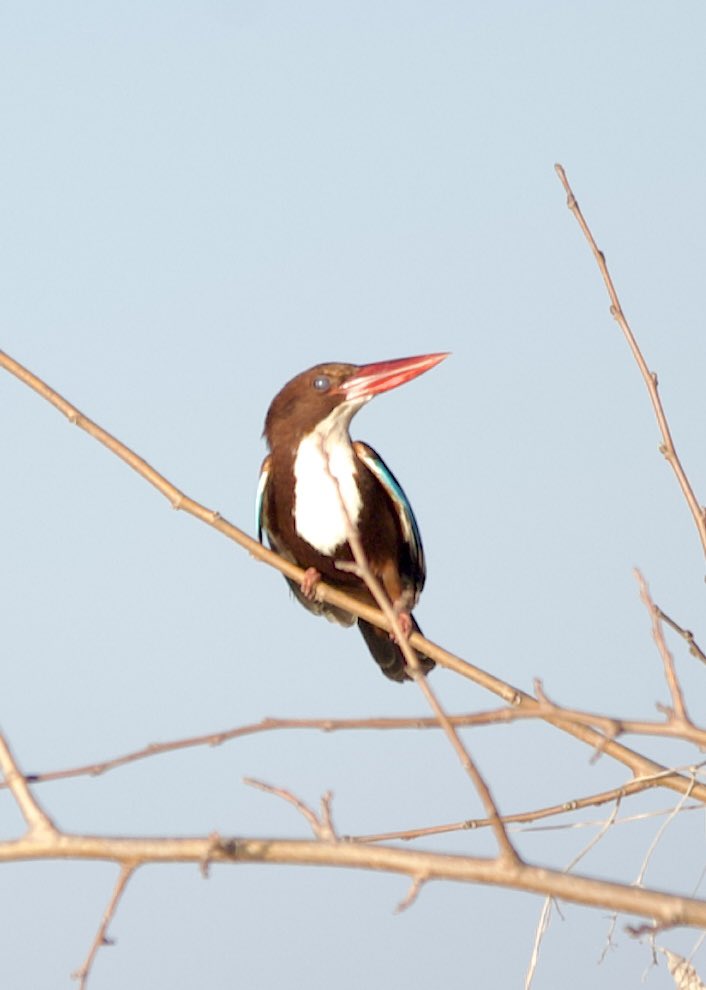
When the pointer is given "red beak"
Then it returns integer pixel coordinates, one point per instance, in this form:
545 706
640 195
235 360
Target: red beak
371 379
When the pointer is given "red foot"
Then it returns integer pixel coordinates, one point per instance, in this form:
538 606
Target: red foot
405 621
309 581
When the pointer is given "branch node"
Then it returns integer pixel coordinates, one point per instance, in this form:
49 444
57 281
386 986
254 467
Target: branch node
214 841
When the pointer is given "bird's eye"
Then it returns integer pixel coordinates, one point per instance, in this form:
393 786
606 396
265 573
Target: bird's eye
322 383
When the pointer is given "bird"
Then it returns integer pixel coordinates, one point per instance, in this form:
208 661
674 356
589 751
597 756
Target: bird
313 469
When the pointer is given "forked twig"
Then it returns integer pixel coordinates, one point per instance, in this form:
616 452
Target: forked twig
670 674
39 824
321 825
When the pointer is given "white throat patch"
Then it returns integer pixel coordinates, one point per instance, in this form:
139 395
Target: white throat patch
326 454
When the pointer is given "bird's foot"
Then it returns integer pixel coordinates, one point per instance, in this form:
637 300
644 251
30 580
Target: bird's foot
309 581
405 622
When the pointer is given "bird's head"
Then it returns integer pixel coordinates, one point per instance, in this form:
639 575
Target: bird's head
331 394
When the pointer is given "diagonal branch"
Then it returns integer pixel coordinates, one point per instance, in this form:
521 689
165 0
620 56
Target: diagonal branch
650 378
364 571
637 762
679 706
506 847
101 936
39 824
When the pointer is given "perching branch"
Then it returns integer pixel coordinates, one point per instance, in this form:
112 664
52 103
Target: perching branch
637 763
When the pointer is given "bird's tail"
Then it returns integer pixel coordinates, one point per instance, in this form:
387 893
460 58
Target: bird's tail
388 655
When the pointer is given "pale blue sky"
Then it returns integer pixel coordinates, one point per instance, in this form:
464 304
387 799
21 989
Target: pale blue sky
198 201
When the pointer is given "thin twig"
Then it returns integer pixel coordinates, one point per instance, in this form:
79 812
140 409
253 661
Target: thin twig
523 820
543 923
670 674
412 894
650 378
678 807
674 727
101 937
322 827
686 634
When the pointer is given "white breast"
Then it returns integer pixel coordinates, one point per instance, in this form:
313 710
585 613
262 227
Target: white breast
325 461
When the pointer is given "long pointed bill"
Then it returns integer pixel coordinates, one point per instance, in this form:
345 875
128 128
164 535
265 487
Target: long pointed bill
371 379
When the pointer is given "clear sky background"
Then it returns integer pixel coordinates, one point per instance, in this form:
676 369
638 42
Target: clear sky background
200 200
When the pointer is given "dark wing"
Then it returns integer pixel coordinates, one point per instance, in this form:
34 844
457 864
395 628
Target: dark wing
408 524
332 613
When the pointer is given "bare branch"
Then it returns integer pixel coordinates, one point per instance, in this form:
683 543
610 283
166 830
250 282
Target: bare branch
101 937
639 764
322 827
667 658
39 824
686 634
412 894
665 909
650 378
543 923
507 850
655 841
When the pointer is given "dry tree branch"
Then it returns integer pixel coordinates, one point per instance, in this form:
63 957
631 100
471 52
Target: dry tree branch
47 843
544 708
664 908
667 447
39 824
679 806
364 571
673 727
640 765
321 826
101 937
543 923
42 842
679 707
532 816
686 634
610 725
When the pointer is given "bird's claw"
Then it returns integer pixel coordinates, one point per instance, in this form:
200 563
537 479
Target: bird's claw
309 581
405 623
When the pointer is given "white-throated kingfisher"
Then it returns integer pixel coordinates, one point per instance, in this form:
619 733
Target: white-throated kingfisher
300 509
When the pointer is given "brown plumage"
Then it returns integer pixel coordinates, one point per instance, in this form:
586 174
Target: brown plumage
299 507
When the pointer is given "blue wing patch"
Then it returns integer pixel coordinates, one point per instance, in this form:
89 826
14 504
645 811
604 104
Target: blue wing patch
410 530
